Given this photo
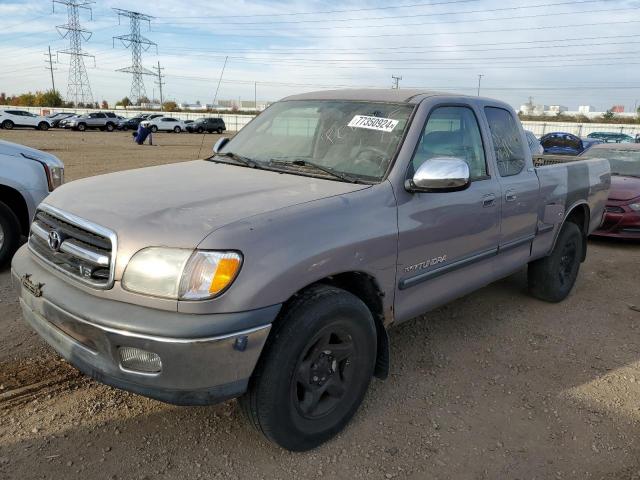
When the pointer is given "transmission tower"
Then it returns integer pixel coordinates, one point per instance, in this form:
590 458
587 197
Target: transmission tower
137 43
78 88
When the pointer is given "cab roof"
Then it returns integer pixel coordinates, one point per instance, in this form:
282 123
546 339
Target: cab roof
410 96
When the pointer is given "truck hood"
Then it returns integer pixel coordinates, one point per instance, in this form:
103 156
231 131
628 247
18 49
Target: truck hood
178 205
624 187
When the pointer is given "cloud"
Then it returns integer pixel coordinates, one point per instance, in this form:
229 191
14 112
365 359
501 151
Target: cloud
430 47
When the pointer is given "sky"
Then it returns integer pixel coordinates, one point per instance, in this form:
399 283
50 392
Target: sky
558 52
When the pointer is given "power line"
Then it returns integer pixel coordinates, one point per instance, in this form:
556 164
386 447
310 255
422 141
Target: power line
392 17
78 88
137 43
419 34
412 5
441 22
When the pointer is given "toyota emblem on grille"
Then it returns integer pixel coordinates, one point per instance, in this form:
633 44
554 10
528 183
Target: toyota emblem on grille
54 240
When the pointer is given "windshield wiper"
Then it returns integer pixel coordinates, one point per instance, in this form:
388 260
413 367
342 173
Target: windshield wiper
246 161
306 163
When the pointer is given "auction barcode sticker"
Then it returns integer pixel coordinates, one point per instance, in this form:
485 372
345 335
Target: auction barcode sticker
373 123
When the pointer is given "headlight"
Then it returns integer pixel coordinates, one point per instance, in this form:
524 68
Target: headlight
181 274
55 175
635 207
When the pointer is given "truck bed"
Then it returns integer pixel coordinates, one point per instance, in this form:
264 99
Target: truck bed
566 182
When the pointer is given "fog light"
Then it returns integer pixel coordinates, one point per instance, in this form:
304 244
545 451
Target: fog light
140 360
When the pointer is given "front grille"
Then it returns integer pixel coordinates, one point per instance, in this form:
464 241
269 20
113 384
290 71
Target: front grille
74 246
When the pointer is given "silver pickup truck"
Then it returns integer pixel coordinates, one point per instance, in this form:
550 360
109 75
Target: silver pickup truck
273 270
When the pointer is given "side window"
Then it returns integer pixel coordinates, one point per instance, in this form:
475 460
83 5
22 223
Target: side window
452 132
93 115
507 141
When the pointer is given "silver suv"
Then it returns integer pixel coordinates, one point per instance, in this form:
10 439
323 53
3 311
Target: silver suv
27 176
101 120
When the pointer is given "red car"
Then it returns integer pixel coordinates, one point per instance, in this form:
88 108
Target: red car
622 213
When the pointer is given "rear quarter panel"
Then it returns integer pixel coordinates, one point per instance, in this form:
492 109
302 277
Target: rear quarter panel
563 187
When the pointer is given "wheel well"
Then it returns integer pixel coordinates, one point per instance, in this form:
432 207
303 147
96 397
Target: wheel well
14 200
366 288
580 216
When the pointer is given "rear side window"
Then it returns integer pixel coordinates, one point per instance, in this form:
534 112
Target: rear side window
453 132
507 141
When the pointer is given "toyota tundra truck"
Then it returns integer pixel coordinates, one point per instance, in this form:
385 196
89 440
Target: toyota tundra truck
273 270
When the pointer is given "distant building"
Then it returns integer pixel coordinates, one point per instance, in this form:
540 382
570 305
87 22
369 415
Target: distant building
584 109
195 106
617 109
557 109
531 109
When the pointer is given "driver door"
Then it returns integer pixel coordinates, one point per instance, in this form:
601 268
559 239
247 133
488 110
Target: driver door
447 240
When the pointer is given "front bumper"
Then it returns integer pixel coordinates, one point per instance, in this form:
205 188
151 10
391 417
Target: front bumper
620 225
195 370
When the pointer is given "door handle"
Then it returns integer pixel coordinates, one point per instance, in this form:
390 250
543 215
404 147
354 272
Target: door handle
510 196
489 200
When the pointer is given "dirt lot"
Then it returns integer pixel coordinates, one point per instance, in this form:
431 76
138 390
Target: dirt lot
494 385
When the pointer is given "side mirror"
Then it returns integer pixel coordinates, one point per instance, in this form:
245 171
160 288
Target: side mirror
440 174
219 144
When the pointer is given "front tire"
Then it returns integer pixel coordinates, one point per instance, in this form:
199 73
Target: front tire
9 234
177 129
109 127
44 126
552 278
82 127
154 129
314 371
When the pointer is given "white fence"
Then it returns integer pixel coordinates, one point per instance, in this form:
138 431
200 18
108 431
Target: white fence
580 129
233 121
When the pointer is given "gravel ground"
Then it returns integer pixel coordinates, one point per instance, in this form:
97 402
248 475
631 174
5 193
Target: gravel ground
493 385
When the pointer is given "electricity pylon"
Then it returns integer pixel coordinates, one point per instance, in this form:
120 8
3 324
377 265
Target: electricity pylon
137 43
78 88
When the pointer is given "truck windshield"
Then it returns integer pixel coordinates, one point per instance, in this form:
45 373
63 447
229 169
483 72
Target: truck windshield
358 139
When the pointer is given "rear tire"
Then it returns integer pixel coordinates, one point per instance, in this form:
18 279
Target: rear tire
7 125
82 127
9 234
314 370
552 278
220 131
200 130
44 126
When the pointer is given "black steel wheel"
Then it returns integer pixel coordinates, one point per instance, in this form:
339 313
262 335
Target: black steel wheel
9 234
315 369
552 278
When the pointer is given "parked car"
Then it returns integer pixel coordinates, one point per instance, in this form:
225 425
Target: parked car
534 143
622 217
210 125
561 143
611 137
21 118
164 124
27 176
56 118
95 120
130 123
273 269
